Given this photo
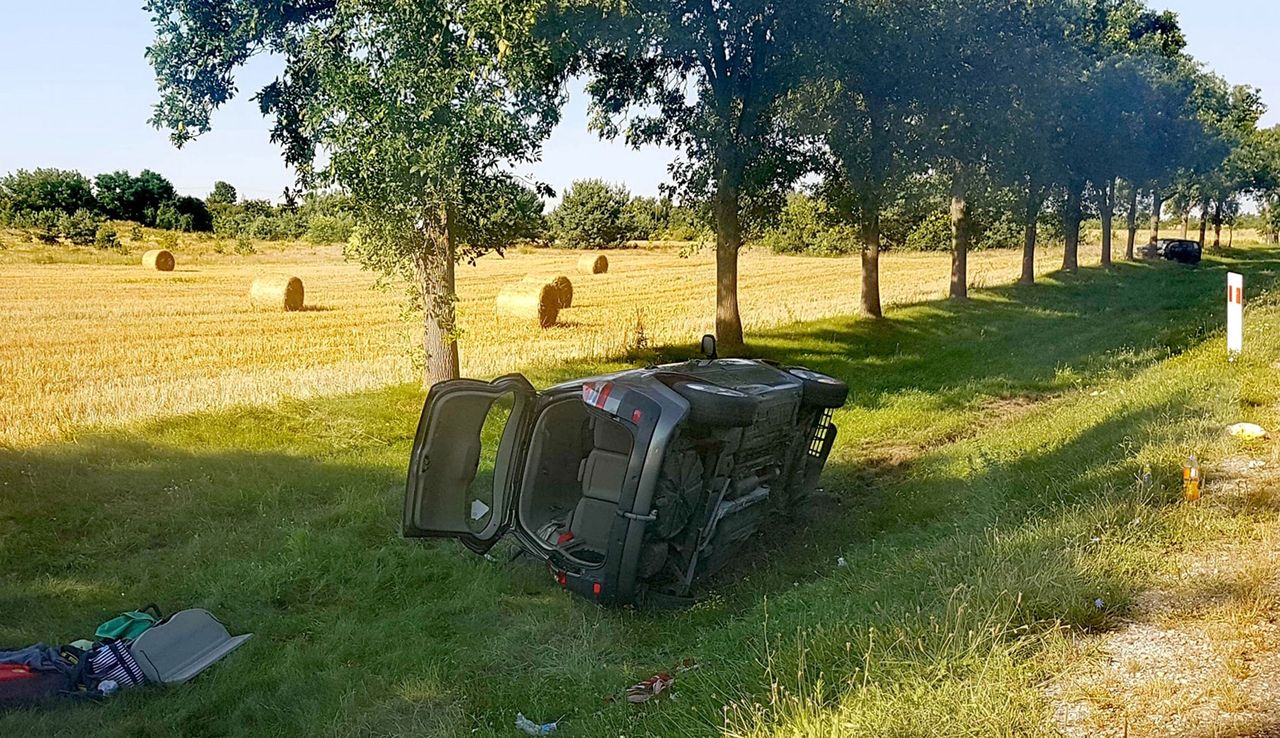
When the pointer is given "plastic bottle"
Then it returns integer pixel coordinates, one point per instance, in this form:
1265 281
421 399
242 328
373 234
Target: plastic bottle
1191 479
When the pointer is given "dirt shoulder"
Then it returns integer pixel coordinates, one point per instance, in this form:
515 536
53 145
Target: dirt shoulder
1200 655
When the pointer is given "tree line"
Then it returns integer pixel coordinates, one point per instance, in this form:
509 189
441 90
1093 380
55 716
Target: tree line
421 110
54 204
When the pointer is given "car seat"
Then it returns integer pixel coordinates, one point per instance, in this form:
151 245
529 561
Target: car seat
602 473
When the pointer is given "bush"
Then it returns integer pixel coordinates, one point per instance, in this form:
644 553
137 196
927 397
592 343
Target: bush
80 227
805 226
26 193
106 237
44 225
591 216
330 228
168 240
933 234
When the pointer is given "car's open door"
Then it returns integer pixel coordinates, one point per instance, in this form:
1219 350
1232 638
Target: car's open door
466 455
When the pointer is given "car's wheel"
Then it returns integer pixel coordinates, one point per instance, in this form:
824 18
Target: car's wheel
710 404
819 390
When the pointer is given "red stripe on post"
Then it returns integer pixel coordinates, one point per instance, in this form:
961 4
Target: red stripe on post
604 394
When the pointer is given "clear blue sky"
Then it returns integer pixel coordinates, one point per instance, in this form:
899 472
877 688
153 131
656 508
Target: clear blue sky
76 92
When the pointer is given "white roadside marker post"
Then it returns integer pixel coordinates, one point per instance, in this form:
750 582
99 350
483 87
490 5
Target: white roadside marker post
1235 315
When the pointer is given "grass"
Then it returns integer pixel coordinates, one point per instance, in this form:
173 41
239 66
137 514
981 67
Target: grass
92 339
981 493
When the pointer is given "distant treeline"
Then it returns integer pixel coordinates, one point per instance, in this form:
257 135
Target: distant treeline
60 204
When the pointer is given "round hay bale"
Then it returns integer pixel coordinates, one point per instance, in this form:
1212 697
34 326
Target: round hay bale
280 292
160 260
530 301
561 284
593 264
564 288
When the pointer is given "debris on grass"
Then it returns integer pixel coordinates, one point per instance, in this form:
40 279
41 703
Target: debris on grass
1248 431
528 727
654 686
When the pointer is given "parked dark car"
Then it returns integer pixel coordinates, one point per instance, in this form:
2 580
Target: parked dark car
1174 249
631 486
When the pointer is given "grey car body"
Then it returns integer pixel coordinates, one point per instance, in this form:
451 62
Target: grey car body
1180 250
631 486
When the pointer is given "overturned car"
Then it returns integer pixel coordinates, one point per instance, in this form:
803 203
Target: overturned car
631 486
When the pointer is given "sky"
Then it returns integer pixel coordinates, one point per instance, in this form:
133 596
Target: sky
76 92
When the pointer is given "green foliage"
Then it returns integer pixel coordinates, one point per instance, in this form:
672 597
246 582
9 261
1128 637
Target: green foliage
140 198
106 237
168 240
592 215
330 228
223 194
80 227
24 193
807 226
931 234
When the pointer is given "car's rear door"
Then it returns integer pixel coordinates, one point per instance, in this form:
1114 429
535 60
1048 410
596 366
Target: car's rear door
465 459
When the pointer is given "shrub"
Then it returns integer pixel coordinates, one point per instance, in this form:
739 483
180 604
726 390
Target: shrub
43 225
591 216
330 228
106 237
168 240
805 226
244 246
80 227
933 234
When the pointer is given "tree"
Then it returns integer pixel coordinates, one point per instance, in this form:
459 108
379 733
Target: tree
863 107
125 197
57 190
707 78
223 194
592 215
413 109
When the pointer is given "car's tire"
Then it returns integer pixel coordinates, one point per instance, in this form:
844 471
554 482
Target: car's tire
820 390
713 405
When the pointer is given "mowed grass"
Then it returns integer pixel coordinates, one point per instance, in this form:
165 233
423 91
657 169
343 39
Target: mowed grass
93 339
982 494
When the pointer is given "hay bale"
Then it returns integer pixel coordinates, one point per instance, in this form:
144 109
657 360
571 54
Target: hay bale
160 260
561 284
593 264
537 301
279 292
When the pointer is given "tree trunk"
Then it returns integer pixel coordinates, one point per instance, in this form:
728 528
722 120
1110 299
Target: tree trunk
1231 234
1108 214
1217 224
1071 216
1186 221
1157 205
435 267
1204 221
960 231
1031 218
871 266
1133 222
728 244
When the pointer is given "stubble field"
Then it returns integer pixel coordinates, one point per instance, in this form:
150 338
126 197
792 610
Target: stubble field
96 340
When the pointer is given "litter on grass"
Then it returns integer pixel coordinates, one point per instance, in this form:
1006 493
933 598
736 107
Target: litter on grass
1248 431
528 727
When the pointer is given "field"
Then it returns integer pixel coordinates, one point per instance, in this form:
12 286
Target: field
983 496
95 340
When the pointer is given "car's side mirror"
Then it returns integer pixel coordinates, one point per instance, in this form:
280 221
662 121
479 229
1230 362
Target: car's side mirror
709 347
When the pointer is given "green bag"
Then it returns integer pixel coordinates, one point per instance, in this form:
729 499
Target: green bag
129 625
